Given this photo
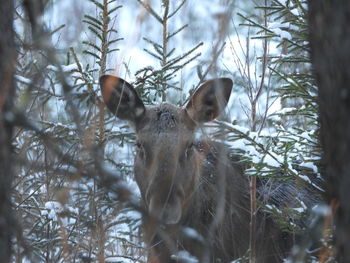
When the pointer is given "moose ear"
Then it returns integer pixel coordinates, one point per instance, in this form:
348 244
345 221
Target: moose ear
209 100
121 98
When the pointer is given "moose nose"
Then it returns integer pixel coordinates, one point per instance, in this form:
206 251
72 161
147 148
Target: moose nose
168 211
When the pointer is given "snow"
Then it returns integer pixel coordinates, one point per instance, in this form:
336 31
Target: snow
71 67
295 11
185 257
306 135
273 160
53 205
132 215
23 79
275 106
65 68
305 178
52 209
285 111
285 35
274 25
115 128
26 260
273 208
192 234
299 209
118 260
283 2
310 165
242 144
240 128
279 29
281 33
322 210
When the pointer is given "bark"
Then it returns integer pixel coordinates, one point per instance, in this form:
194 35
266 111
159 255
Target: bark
7 89
330 52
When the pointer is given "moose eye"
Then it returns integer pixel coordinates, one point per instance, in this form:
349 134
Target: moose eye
189 150
140 149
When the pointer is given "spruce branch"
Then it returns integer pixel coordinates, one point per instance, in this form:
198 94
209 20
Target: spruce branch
150 10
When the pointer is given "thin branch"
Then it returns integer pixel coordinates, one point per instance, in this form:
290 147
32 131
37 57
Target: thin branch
151 11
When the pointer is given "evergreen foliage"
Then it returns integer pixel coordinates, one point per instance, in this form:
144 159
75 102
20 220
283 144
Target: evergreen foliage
155 82
74 189
282 146
287 145
69 213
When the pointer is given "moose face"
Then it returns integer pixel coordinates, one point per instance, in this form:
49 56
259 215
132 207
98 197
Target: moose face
167 163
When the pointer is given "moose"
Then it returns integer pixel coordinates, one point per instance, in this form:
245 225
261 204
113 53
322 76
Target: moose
196 198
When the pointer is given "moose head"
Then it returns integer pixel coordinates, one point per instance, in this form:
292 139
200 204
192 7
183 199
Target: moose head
167 163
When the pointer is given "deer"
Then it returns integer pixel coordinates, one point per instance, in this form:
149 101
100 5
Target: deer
196 198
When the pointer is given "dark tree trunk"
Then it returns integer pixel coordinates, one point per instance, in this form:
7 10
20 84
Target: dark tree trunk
330 51
7 89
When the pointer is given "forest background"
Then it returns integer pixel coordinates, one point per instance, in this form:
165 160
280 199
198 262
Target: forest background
73 195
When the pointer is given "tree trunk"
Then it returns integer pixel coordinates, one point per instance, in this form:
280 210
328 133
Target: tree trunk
7 89
330 52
